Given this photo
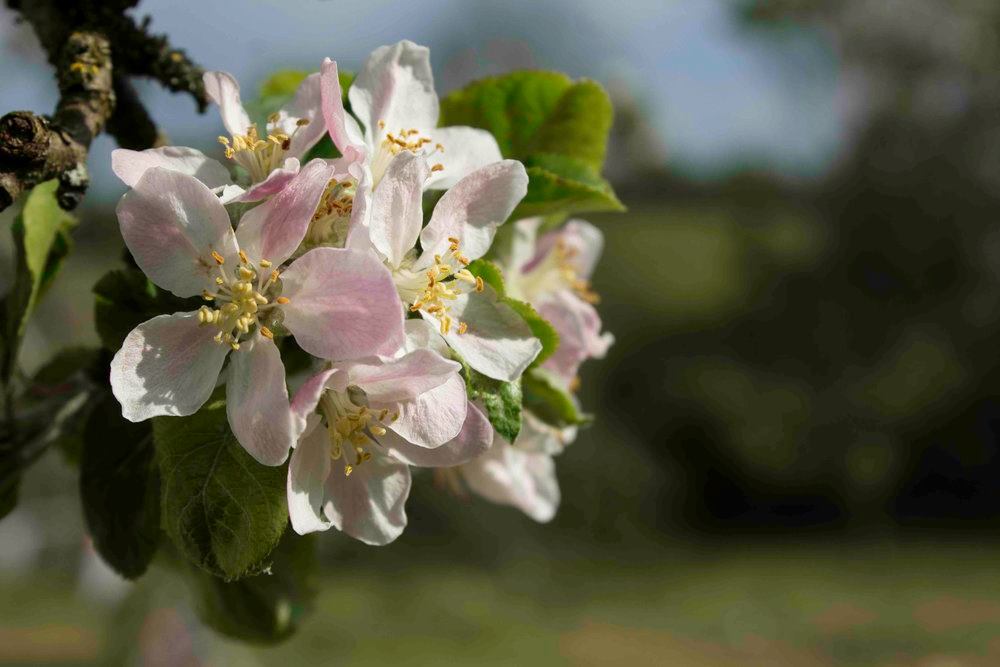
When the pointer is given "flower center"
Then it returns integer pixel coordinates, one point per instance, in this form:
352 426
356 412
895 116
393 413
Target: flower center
352 428
244 300
393 144
332 219
260 156
557 271
433 290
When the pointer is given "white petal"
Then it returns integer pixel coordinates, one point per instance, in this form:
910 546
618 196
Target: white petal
475 438
306 105
403 378
421 334
129 165
498 342
522 247
396 210
257 401
168 365
222 89
395 86
473 209
307 475
508 476
466 149
370 504
537 436
432 418
172 223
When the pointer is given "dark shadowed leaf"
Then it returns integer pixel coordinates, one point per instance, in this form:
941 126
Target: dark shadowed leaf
120 488
125 298
223 510
266 608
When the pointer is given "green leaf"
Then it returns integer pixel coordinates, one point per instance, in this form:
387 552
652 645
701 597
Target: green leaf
549 402
120 488
124 299
223 510
540 328
490 273
65 364
559 185
41 243
502 401
557 127
266 608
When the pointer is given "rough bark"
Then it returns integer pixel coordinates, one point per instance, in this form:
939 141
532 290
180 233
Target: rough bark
94 47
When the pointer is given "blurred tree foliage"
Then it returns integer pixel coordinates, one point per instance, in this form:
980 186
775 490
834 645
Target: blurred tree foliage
846 373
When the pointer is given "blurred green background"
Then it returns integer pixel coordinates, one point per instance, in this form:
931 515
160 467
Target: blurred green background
795 459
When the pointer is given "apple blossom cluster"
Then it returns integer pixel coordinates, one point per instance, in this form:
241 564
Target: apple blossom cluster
334 257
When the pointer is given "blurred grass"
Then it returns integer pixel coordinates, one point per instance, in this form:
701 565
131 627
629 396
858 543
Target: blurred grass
864 604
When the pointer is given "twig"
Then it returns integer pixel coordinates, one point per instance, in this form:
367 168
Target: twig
94 47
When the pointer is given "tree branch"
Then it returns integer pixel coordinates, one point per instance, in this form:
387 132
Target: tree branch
34 149
94 47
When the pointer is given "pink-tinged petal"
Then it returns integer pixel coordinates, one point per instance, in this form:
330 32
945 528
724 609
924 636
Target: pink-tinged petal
168 365
273 230
472 210
308 395
370 503
395 86
171 223
466 149
273 184
343 305
358 237
471 442
305 106
587 243
307 475
396 208
508 476
498 342
343 129
404 378
579 329
222 89
257 401
432 418
584 241
129 166
421 334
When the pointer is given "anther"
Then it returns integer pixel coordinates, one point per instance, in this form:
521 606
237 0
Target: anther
438 167
266 333
219 259
282 300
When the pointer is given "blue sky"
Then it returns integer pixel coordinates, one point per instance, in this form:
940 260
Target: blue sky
715 94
